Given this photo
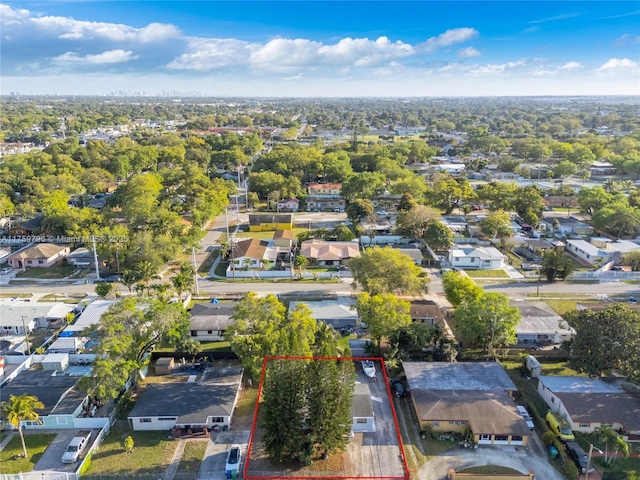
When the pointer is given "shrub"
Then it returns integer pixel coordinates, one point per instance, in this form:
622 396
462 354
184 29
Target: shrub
572 470
548 438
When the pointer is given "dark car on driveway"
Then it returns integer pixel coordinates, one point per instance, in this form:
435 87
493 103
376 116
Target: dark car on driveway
399 389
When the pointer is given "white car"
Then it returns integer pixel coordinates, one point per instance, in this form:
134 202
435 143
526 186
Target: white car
5 270
526 416
233 460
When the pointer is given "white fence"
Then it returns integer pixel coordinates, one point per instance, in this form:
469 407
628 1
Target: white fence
40 476
94 446
263 274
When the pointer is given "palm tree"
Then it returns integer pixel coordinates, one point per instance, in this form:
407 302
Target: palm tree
20 408
182 283
146 272
129 278
606 434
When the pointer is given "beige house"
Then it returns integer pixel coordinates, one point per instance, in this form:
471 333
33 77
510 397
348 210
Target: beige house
323 253
42 255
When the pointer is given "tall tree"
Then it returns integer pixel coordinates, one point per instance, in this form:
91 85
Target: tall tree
20 408
606 340
556 265
438 236
126 333
359 209
497 224
459 288
387 270
489 320
412 223
383 314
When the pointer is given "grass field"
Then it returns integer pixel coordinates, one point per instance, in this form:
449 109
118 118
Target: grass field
56 271
151 453
192 456
36 445
487 273
204 267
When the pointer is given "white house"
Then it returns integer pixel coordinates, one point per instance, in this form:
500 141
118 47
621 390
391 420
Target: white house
362 410
338 313
289 205
15 315
163 406
586 403
601 249
475 257
209 321
249 253
540 324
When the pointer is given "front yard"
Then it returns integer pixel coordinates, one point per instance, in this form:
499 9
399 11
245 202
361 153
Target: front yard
487 273
60 270
151 453
36 445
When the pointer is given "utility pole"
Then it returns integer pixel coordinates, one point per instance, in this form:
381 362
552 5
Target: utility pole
195 269
95 257
26 335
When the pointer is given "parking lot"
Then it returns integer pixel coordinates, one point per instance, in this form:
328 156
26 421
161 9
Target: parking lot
51 460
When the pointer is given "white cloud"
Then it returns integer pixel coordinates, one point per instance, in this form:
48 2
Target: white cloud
450 37
111 56
469 52
493 68
627 39
364 52
570 66
212 53
549 71
563 16
619 65
67 28
286 52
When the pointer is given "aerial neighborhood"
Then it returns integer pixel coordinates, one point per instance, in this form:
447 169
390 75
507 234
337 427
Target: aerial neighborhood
266 292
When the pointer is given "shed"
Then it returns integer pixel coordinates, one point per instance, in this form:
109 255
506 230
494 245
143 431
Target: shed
56 361
164 366
533 366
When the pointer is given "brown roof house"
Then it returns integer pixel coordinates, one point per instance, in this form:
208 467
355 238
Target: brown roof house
586 403
283 238
38 255
451 397
249 253
323 253
426 311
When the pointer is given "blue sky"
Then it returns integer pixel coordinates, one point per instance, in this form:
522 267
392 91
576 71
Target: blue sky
326 48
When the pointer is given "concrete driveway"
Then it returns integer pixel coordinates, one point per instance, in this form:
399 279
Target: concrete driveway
215 456
51 460
533 458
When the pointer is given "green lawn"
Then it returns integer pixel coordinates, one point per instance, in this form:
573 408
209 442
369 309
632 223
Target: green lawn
60 270
192 456
204 267
152 453
36 445
247 402
490 469
243 232
18 295
487 273
71 299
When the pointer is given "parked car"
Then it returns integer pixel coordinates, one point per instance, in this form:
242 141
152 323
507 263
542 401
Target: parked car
559 427
579 457
526 416
399 389
233 460
5 270
76 446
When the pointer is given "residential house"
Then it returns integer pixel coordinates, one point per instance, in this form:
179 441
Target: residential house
600 169
325 197
586 403
203 405
289 205
68 344
209 321
90 316
601 250
561 201
284 239
65 406
540 324
413 250
82 258
455 223
261 222
538 247
362 410
27 228
323 253
476 257
426 311
340 313
249 253
448 397
15 315
565 226
43 255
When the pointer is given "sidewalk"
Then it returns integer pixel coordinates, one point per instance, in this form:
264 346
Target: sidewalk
7 438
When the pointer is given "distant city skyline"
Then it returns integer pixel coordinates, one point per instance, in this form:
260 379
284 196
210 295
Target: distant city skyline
321 49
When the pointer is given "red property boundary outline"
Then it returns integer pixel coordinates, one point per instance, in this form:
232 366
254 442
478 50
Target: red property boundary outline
406 475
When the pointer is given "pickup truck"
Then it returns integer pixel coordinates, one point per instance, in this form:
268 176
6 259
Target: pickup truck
76 446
